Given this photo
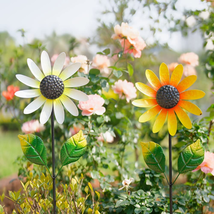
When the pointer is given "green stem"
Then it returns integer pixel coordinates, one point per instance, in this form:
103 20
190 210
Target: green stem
176 179
59 171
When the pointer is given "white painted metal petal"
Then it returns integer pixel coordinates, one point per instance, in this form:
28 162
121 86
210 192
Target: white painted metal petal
58 64
28 81
45 63
69 105
35 69
69 71
59 111
46 111
76 82
36 104
28 93
75 94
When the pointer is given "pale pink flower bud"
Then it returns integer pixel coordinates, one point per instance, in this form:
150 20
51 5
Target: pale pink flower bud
189 70
83 60
75 129
94 105
106 137
207 166
172 66
189 58
102 63
125 89
32 126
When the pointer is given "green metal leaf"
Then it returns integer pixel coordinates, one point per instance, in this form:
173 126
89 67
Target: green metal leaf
154 156
191 157
33 149
73 148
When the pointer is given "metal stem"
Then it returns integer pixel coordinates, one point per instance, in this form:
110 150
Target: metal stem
170 173
53 162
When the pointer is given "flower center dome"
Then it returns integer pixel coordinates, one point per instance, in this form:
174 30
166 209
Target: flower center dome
51 87
167 96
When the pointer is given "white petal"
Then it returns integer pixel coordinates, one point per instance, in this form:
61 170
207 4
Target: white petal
76 82
28 81
59 111
35 70
69 105
100 111
45 63
69 71
58 64
36 104
46 111
28 93
76 94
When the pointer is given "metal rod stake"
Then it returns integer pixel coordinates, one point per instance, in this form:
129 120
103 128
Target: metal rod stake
170 173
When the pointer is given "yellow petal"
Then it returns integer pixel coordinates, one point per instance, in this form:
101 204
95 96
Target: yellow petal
160 121
183 117
192 94
153 79
145 89
172 122
148 115
164 74
144 102
190 107
176 75
186 83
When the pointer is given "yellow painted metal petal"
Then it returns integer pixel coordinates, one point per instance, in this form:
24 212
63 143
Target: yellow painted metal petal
183 117
144 102
172 122
160 121
186 83
145 89
164 74
192 94
153 79
176 75
148 115
190 107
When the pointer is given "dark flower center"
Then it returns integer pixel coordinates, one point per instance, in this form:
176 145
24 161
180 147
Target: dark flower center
167 96
51 87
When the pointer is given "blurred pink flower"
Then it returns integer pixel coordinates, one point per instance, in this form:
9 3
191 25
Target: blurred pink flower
32 126
107 136
92 106
75 129
125 89
172 66
102 63
207 166
133 46
54 57
189 58
124 31
189 70
83 60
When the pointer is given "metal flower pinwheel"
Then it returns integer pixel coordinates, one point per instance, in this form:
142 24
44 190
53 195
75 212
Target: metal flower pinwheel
53 88
169 97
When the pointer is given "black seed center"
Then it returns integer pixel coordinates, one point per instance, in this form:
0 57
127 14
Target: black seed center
167 96
51 87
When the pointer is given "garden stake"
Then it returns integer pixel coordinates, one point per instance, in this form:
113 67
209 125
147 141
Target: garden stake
53 162
170 173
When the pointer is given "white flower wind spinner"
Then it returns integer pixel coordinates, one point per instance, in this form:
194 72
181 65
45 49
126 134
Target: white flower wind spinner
53 88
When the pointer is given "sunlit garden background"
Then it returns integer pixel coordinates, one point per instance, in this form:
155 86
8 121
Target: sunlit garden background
115 41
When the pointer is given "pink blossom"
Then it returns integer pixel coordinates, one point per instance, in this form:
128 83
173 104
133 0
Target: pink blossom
133 46
124 31
172 66
54 57
32 126
207 166
125 89
83 60
189 58
189 70
102 63
75 129
92 106
107 136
